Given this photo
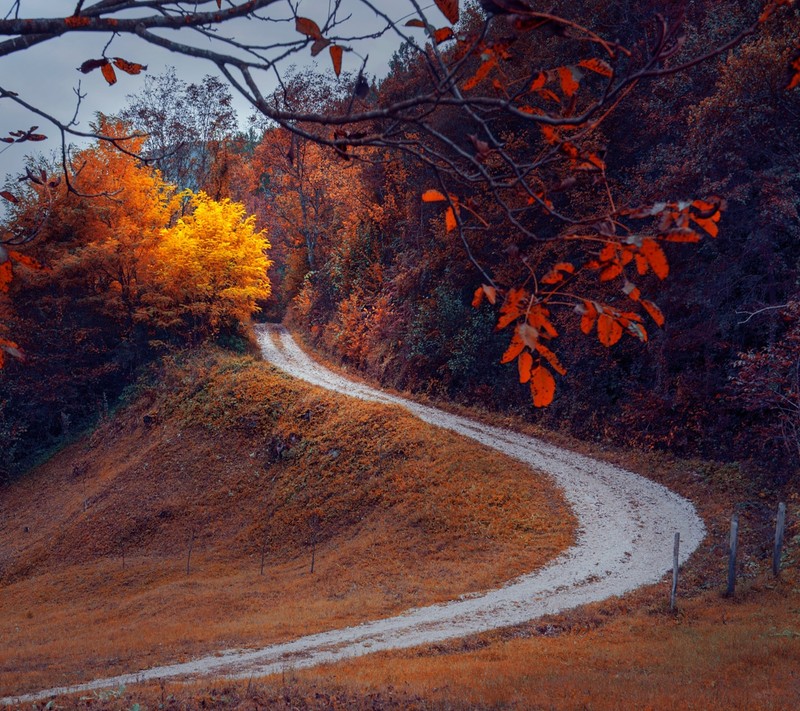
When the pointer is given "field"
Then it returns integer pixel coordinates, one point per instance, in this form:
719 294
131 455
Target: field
142 543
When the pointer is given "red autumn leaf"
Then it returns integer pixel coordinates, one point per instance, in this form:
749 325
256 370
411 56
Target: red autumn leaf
709 224
9 196
511 308
307 27
568 79
109 74
525 365
612 271
539 82
632 291
609 330
415 23
336 57
539 318
129 67
654 311
551 358
514 348
92 64
681 235
450 222
795 80
449 9
319 45
5 276
588 317
433 196
479 75
442 35
655 257
596 65
543 387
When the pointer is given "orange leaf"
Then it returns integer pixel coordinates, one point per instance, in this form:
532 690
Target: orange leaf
92 64
681 235
551 358
612 271
129 67
450 222
432 196
511 308
491 293
656 257
654 311
539 82
795 80
596 65
479 75
9 196
109 74
709 224
318 45
514 348
632 291
336 57
415 23
609 331
442 35
5 276
477 297
568 78
525 364
543 387
588 317
641 264
539 318
307 27
449 9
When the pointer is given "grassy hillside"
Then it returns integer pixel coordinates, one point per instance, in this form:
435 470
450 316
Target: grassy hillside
231 458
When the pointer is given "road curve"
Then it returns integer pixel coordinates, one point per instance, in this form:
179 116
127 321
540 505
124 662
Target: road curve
626 525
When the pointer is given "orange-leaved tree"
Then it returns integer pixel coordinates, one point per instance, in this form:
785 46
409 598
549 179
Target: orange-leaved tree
208 271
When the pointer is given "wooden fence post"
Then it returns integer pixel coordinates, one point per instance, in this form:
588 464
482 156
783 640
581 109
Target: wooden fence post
675 551
732 548
189 555
780 525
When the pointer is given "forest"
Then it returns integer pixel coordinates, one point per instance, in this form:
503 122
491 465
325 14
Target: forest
595 235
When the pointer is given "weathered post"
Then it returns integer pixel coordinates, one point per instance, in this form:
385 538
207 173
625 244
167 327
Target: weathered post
732 547
675 551
189 555
780 525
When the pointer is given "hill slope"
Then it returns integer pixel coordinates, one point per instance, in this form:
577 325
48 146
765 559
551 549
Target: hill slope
232 457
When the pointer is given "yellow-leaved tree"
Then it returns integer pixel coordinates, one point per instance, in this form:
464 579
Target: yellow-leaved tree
208 270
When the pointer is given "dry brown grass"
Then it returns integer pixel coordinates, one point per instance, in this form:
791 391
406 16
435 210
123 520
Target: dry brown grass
239 454
714 654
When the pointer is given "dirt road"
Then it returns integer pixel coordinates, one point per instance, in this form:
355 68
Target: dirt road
625 538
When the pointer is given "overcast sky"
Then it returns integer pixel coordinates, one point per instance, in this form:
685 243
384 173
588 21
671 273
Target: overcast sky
46 75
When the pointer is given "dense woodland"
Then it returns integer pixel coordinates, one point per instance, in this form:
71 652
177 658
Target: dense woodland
389 268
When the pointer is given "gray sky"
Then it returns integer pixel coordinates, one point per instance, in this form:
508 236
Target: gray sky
46 75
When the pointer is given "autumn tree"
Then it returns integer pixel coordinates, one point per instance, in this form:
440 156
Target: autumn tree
108 282
208 271
506 118
190 130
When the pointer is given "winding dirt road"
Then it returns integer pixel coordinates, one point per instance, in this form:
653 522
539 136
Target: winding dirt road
625 537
